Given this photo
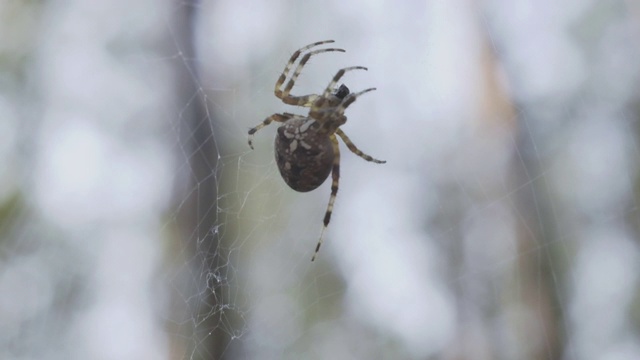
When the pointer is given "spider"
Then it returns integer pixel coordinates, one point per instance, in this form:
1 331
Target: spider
306 147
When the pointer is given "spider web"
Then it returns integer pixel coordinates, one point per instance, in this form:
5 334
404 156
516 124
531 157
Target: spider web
136 223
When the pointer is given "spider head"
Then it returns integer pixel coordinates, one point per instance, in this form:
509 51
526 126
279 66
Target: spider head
342 92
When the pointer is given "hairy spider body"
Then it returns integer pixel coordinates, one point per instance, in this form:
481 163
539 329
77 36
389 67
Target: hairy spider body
306 147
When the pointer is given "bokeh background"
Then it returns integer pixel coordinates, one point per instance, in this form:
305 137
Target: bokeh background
136 223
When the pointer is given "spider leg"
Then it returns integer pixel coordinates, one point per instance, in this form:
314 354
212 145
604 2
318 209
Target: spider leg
355 150
275 117
284 94
350 99
292 60
335 176
300 100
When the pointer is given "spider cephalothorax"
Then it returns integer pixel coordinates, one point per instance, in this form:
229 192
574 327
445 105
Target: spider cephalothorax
306 147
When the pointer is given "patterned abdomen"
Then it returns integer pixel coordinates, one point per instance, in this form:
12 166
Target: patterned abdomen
304 155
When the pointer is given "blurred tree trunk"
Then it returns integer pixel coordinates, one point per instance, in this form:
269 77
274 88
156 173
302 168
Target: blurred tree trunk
522 306
537 278
198 214
540 278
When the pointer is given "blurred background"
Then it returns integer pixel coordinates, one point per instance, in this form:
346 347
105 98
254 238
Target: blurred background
136 223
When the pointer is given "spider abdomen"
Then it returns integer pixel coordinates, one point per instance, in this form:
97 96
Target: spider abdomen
304 155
